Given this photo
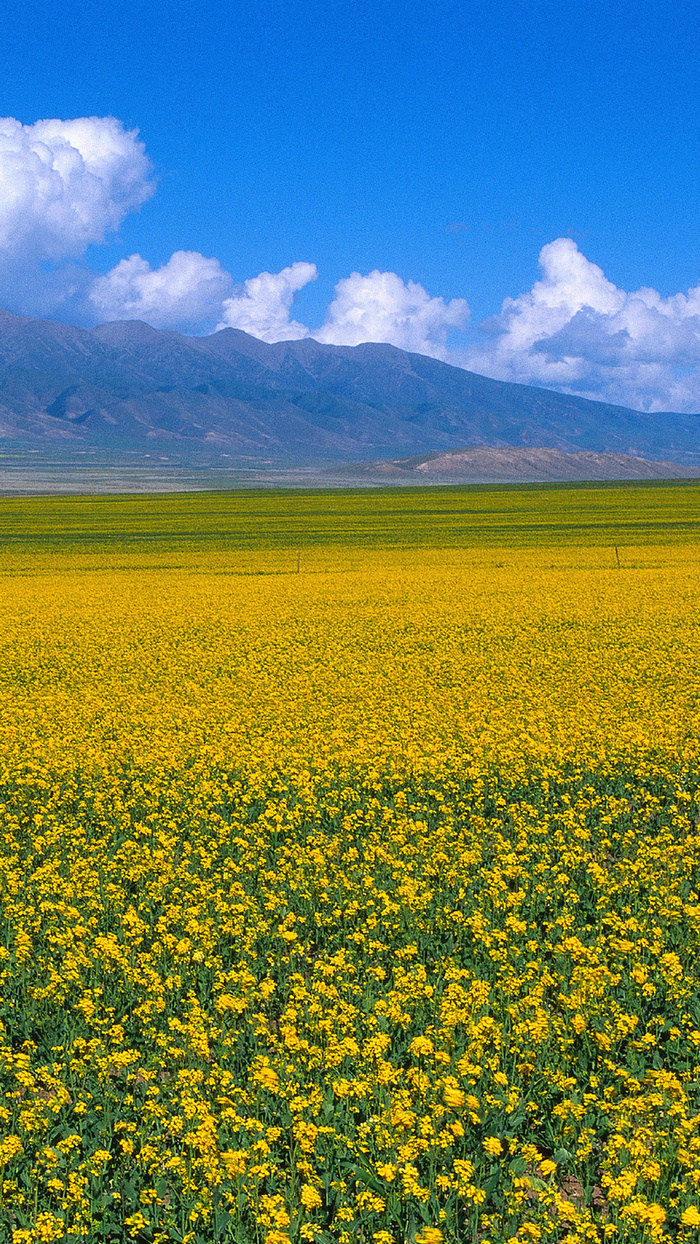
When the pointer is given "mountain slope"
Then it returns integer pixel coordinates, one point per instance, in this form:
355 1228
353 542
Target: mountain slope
125 385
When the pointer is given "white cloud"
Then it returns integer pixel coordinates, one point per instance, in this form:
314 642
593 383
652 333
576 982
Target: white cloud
64 185
576 331
377 307
186 293
67 184
261 307
380 307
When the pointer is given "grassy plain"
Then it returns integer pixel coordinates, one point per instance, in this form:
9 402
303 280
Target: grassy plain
518 516
358 904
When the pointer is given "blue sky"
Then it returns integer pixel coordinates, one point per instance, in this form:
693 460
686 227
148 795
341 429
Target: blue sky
443 144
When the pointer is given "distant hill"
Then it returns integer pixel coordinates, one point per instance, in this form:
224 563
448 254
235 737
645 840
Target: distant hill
484 465
127 387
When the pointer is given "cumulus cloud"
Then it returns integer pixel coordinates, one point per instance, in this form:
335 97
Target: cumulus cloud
66 184
577 331
185 294
262 305
377 307
380 307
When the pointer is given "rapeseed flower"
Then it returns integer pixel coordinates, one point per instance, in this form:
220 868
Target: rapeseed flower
377 921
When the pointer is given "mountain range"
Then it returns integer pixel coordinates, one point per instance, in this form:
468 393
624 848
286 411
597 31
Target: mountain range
125 386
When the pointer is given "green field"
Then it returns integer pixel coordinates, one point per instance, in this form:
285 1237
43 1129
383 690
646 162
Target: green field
515 516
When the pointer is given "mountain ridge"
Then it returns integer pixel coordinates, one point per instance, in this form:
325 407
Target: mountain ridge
127 386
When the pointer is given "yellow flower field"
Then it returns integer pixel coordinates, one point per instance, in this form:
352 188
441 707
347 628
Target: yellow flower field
353 905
